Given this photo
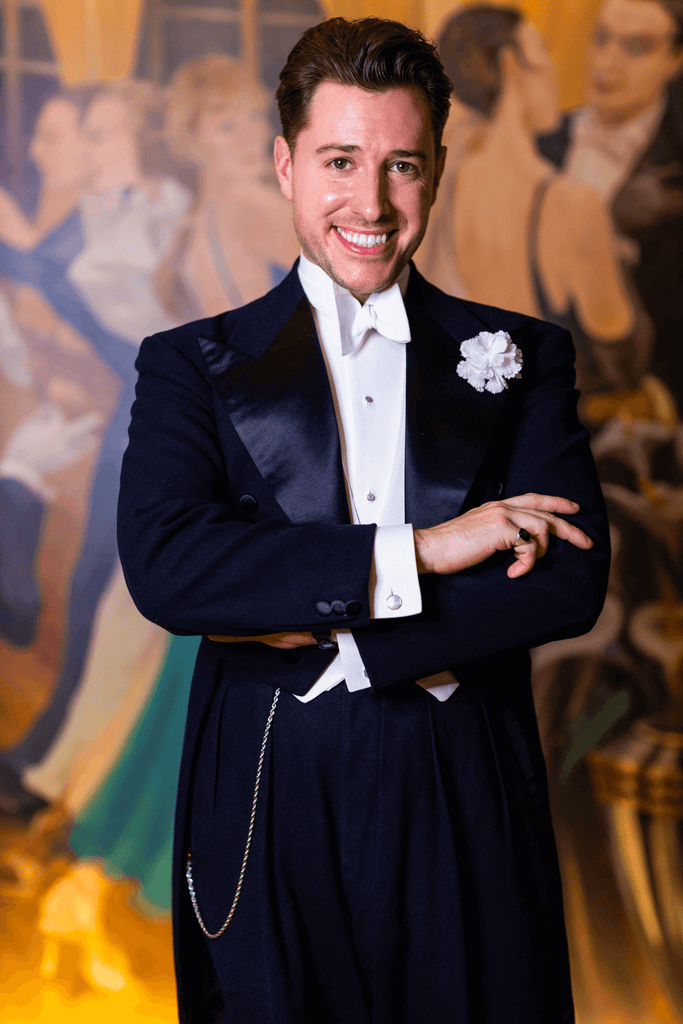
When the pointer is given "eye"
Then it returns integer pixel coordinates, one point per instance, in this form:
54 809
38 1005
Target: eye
403 167
340 163
638 46
600 37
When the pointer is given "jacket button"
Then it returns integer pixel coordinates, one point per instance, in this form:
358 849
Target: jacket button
353 608
248 504
338 607
499 490
289 657
323 608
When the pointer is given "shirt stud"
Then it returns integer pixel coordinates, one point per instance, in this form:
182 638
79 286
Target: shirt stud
394 602
370 496
368 399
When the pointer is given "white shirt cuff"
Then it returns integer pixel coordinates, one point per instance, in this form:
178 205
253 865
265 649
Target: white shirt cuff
394 583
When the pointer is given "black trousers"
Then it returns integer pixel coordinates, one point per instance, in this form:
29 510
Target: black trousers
403 869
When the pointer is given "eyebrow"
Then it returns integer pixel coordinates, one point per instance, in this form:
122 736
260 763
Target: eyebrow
629 36
342 148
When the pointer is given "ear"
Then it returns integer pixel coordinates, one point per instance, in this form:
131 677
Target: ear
510 65
283 166
438 171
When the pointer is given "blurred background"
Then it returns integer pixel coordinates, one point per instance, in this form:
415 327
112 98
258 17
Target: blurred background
136 192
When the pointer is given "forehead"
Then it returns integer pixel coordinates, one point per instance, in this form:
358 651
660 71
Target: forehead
109 111
58 115
352 116
636 17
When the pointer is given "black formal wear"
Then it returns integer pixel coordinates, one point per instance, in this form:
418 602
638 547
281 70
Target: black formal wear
403 867
648 208
21 518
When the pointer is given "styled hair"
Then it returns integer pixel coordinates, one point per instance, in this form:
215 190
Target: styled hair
371 53
79 96
470 46
142 99
674 8
208 85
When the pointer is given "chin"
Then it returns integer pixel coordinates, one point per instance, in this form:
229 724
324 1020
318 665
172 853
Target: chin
548 122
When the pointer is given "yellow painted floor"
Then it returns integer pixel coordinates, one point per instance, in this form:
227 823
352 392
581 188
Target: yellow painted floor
73 945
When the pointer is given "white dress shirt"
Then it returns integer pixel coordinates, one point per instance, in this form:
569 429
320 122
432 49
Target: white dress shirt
603 156
364 348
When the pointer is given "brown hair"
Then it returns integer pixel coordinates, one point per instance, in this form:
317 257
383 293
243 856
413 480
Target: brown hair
470 47
80 96
674 8
212 83
370 53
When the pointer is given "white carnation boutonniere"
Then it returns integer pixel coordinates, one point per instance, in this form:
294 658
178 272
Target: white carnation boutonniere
490 361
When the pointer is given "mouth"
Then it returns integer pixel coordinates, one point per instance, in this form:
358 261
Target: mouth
364 243
603 87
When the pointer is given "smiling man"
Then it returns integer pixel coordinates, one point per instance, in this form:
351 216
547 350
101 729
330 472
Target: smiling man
350 488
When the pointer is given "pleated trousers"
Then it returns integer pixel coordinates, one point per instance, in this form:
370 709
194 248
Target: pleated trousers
403 868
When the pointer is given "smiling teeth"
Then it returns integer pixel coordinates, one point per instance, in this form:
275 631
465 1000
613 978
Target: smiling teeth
365 241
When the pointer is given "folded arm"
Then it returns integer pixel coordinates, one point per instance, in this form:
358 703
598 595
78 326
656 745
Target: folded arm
193 561
497 605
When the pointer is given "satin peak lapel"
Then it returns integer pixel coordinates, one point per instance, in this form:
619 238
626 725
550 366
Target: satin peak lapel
448 423
281 406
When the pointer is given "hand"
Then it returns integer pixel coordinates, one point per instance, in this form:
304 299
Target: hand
471 538
285 641
46 441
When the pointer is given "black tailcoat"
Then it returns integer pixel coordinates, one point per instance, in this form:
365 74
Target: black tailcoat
648 209
233 520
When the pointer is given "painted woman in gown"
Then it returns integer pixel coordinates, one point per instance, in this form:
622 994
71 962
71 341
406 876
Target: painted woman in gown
238 239
510 229
225 255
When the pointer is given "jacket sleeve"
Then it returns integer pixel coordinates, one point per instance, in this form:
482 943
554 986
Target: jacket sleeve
482 612
21 517
192 560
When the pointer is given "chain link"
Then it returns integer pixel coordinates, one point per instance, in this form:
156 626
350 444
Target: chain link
240 880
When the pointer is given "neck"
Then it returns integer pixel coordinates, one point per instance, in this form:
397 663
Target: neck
55 202
507 138
121 175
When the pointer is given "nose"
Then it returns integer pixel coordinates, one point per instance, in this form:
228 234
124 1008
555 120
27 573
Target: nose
371 195
607 58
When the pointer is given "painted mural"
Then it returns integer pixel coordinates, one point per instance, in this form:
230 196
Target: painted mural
136 193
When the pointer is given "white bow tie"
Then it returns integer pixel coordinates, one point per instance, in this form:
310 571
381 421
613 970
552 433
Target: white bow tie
386 316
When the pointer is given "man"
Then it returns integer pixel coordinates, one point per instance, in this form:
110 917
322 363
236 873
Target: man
627 143
399 867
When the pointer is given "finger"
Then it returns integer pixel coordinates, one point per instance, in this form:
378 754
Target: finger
525 559
287 641
536 528
543 503
540 523
283 641
567 531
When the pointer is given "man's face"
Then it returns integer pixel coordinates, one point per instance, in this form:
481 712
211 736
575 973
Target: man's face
362 179
631 58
